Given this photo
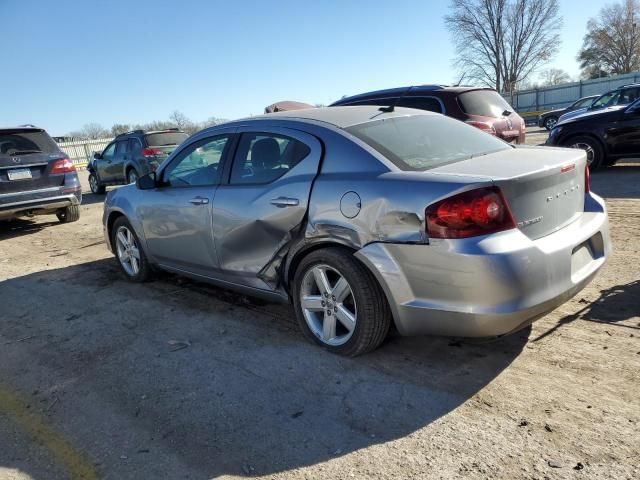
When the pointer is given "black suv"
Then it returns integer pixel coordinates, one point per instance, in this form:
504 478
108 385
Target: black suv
130 156
36 177
607 135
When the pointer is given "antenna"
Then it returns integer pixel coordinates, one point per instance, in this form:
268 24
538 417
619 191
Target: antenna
392 107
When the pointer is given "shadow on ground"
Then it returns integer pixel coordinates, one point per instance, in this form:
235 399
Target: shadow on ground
183 379
18 227
619 181
614 305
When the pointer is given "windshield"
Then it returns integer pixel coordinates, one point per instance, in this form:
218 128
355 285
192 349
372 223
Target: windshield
422 142
487 103
162 139
24 142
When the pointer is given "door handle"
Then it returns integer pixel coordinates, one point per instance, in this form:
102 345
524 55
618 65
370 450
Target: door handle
199 201
285 202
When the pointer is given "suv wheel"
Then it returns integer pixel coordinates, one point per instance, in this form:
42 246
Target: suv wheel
94 184
129 252
69 214
550 122
595 152
339 304
132 176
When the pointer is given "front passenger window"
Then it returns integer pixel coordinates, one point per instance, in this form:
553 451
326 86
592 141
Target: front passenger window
197 165
108 152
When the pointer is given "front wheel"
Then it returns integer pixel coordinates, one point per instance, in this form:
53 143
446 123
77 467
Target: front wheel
94 185
593 149
339 304
129 252
550 122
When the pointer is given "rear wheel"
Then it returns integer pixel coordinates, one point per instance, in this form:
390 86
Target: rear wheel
69 214
550 122
339 304
94 184
593 149
129 252
132 176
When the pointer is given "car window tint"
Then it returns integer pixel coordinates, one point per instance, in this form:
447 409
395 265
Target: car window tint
424 141
264 157
628 95
198 165
109 151
134 145
421 103
19 142
486 103
584 103
607 99
121 147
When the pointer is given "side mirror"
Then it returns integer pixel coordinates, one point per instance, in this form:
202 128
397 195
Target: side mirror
97 155
147 182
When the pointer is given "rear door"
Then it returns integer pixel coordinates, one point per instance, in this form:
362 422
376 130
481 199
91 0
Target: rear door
263 203
176 217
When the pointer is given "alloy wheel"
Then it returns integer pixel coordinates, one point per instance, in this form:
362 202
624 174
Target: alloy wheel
587 148
551 122
128 251
93 183
133 176
328 305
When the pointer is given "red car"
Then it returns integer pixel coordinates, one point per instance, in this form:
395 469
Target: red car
481 107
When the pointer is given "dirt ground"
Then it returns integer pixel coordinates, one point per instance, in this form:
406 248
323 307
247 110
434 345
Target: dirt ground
101 378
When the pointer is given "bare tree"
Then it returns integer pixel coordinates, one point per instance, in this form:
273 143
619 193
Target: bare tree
501 42
91 131
612 43
554 76
118 128
181 120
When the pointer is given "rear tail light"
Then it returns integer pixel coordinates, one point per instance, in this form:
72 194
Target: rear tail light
151 152
477 212
64 165
587 179
484 126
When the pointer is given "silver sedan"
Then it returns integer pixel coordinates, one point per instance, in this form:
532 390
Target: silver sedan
363 217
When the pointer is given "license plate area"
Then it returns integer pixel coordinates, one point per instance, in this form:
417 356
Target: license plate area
19 174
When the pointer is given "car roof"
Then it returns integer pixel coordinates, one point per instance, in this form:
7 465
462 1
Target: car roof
341 117
415 90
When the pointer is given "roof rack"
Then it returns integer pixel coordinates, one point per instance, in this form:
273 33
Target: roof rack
27 125
130 132
635 84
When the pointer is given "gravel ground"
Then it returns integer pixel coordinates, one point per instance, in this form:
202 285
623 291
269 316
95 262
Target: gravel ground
101 378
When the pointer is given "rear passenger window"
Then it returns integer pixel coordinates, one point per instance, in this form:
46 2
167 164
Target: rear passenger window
121 147
134 145
422 103
263 157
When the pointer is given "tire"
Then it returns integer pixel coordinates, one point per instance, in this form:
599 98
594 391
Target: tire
135 268
595 152
550 122
364 304
94 185
69 214
132 176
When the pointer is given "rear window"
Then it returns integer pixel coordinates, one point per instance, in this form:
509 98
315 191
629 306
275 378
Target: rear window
422 142
487 103
14 143
162 139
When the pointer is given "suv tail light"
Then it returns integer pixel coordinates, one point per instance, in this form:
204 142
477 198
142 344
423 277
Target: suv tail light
484 126
587 179
64 165
151 152
477 212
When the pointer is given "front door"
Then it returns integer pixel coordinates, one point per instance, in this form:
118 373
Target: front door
115 169
176 217
263 203
623 135
105 161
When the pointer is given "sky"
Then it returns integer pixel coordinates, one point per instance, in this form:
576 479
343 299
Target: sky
68 63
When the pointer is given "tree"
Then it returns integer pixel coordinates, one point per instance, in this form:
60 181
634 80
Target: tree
501 42
612 42
554 76
90 131
119 128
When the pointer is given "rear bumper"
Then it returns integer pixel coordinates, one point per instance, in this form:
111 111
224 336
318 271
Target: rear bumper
38 201
493 285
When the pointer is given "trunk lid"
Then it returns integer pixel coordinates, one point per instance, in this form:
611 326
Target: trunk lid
544 187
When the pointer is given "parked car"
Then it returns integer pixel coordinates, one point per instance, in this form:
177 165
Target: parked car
483 108
285 106
362 218
623 95
549 119
131 155
607 135
36 177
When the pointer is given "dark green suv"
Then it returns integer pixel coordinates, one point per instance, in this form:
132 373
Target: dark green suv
130 156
